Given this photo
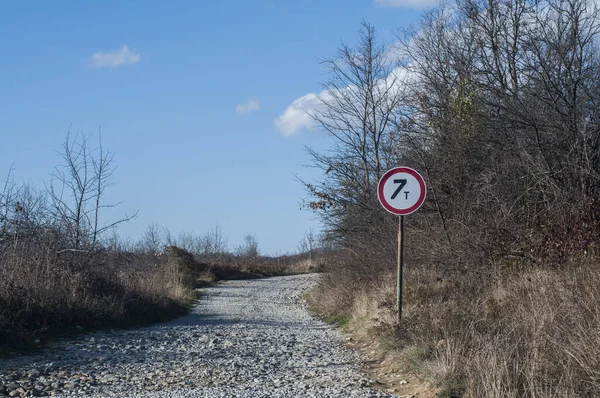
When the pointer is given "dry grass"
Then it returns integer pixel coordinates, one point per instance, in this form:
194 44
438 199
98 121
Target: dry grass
41 296
228 266
535 334
504 333
46 292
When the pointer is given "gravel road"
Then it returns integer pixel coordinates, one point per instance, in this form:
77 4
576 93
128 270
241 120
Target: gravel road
247 338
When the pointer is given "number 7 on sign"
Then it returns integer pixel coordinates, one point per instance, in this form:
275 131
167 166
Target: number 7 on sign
402 183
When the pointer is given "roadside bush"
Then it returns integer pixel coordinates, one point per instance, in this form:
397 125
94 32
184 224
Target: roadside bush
40 298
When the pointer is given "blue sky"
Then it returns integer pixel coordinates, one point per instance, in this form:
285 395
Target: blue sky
186 94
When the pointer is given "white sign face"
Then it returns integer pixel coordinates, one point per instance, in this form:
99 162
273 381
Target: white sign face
401 190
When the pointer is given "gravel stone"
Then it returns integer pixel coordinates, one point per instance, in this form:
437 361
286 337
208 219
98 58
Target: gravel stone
246 339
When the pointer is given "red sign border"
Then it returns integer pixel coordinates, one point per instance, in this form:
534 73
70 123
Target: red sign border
414 207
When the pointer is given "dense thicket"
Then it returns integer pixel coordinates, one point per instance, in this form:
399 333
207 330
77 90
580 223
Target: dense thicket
495 102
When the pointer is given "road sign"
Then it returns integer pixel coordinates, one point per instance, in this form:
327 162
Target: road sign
401 191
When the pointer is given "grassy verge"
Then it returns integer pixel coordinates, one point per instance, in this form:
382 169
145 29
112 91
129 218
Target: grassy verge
504 332
114 290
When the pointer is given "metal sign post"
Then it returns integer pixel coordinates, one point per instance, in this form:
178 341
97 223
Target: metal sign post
401 191
400 267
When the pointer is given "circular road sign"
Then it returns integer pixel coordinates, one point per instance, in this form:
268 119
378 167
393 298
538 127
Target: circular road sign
401 190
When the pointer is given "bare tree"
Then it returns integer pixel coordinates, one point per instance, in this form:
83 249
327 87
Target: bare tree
169 239
307 244
248 248
213 242
152 238
188 242
9 214
358 109
77 190
7 205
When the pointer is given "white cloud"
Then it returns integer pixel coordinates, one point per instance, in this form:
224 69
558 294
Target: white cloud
297 116
114 59
247 108
407 3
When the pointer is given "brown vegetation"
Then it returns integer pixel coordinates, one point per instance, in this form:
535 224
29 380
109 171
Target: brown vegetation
504 333
496 104
57 294
61 272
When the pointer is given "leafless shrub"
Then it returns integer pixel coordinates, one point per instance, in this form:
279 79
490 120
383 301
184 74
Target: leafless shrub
76 194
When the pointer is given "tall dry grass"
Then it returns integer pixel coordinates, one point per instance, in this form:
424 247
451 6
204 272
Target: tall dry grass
45 292
504 332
